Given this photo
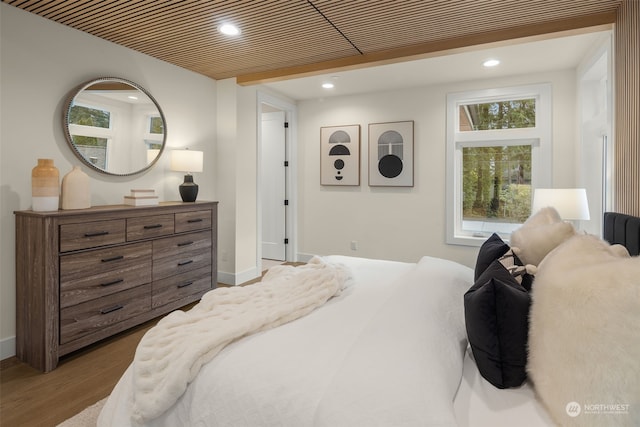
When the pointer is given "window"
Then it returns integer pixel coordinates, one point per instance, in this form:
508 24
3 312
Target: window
154 135
498 149
156 125
91 130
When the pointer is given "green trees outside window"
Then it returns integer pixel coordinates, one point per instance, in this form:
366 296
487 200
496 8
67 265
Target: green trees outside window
497 179
497 183
86 116
156 125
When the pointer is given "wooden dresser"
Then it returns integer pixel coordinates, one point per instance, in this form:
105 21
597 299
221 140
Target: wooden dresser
84 275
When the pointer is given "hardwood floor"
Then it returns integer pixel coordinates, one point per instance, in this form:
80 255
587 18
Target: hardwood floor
31 398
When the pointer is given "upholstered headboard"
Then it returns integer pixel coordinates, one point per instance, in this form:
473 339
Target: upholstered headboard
624 230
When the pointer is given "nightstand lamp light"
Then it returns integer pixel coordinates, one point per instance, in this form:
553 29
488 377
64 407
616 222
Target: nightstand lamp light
571 203
188 161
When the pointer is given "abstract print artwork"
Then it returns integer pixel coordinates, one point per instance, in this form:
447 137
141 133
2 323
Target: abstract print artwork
340 155
391 154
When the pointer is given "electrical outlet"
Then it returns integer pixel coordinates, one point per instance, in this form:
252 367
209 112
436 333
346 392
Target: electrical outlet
354 245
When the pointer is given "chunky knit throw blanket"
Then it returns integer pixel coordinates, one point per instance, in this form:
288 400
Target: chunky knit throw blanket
170 354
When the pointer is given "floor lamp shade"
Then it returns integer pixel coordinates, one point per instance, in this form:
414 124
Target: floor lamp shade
571 203
187 161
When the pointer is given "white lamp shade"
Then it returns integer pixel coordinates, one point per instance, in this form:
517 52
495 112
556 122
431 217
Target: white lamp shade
571 203
186 160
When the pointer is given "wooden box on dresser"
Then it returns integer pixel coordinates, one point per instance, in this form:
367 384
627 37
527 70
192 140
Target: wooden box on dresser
84 275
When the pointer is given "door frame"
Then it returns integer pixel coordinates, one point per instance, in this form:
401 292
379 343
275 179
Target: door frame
291 186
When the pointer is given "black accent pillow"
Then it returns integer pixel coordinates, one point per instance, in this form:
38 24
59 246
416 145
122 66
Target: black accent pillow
497 319
492 249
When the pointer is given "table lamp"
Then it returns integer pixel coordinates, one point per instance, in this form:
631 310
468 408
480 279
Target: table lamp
187 161
571 203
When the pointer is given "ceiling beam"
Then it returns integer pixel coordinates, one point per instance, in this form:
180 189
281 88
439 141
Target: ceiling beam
596 22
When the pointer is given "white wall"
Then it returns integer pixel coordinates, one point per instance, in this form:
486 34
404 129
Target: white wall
226 167
403 223
41 62
237 165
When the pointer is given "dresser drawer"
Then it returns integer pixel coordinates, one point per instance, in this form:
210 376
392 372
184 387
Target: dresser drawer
83 319
180 286
190 221
149 226
98 273
180 263
174 246
91 234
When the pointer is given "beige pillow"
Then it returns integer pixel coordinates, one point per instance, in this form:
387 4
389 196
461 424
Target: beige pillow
584 334
540 234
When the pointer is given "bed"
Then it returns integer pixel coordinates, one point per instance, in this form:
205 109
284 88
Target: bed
389 349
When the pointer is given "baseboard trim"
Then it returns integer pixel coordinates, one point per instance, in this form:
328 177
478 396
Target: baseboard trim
234 279
7 348
247 275
302 257
226 278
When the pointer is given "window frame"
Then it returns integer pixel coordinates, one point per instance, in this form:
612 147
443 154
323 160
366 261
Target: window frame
93 131
539 137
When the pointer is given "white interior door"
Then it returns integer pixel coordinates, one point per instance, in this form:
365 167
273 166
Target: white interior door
273 179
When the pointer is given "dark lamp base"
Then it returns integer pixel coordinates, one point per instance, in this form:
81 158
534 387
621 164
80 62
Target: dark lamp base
188 189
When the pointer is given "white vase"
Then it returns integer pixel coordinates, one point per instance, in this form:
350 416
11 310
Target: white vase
76 193
45 186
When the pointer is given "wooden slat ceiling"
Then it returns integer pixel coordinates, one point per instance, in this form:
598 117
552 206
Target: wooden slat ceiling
287 38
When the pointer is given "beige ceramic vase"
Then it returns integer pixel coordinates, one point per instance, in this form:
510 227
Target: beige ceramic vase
45 186
76 193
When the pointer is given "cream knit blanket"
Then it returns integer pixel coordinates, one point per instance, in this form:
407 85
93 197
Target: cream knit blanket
170 354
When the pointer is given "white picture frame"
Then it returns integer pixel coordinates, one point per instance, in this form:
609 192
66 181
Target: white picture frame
340 155
391 154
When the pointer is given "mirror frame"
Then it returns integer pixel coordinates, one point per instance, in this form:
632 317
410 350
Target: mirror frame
65 122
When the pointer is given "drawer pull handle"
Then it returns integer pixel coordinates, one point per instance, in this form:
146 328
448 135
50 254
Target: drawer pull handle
185 243
115 258
113 282
184 285
96 234
150 227
194 220
111 309
180 264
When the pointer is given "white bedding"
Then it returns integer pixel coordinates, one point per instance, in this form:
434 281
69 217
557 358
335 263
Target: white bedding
479 404
171 354
389 351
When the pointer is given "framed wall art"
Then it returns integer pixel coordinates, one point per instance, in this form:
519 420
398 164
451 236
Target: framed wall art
391 154
340 155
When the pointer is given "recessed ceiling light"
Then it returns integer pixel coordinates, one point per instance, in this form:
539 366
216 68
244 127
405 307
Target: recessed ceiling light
328 85
229 29
491 63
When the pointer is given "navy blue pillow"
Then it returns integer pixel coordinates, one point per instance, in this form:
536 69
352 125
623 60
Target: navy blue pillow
497 319
492 249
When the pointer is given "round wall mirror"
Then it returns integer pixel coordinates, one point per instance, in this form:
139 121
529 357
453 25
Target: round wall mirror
115 126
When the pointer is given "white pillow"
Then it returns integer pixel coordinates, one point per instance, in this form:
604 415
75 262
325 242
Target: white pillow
540 234
584 333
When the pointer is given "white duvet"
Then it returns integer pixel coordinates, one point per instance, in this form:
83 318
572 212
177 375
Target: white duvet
387 352
170 354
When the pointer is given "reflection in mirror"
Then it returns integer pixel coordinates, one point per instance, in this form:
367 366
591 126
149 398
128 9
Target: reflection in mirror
115 126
